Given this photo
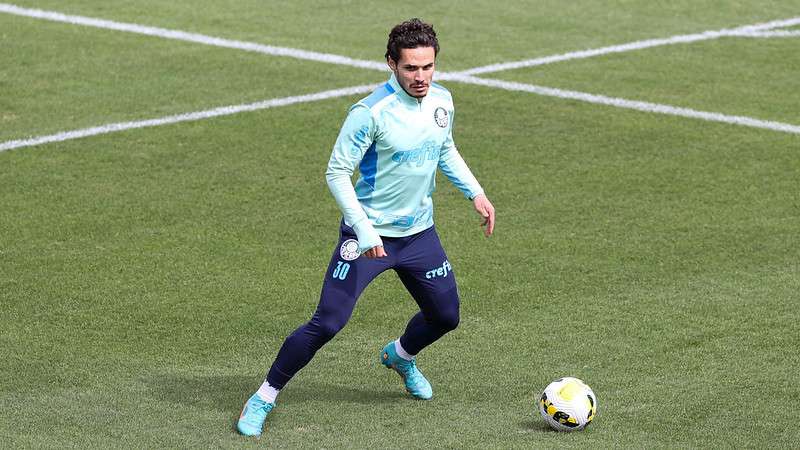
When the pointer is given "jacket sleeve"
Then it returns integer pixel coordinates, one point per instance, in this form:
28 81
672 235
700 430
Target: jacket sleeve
355 138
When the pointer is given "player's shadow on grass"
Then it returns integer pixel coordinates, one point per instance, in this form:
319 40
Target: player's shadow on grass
215 392
315 391
229 392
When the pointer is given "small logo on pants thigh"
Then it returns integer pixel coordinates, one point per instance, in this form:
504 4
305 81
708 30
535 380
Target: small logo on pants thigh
440 271
349 250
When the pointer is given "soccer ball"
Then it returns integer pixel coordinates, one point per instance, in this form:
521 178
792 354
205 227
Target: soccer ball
568 404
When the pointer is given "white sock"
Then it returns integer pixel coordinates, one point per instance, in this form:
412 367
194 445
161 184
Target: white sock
401 352
267 392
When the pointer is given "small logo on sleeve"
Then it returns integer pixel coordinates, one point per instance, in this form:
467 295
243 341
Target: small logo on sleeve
349 250
440 117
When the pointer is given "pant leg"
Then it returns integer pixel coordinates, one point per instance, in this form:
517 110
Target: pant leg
345 279
428 275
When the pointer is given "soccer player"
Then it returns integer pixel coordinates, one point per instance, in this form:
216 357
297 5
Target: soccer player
397 137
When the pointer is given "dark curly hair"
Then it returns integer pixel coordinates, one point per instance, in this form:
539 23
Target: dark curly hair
411 34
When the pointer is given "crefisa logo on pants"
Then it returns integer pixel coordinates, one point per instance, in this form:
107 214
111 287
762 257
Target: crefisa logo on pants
440 271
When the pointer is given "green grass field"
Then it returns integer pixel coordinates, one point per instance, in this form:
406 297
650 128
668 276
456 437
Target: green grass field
148 277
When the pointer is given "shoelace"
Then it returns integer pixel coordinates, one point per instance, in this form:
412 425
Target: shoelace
410 372
261 407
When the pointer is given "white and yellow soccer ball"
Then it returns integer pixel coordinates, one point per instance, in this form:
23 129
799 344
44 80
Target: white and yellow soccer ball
568 404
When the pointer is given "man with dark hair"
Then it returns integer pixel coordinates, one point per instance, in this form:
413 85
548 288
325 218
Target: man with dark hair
397 136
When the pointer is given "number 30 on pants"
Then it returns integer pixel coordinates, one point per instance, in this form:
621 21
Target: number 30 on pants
341 270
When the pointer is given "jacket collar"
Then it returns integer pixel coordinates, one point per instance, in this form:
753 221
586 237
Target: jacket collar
402 94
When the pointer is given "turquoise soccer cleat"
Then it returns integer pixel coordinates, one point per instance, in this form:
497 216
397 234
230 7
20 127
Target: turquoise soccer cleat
254 413
415 382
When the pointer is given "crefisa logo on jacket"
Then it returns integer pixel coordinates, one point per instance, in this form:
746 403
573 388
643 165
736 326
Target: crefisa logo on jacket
440 116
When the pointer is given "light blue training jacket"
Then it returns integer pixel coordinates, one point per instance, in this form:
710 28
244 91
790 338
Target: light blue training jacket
397 142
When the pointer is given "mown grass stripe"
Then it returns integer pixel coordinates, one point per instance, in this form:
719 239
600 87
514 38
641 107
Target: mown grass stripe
754 30
187 117
629 104
191 37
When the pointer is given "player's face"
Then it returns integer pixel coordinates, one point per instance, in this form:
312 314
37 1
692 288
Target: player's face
414 70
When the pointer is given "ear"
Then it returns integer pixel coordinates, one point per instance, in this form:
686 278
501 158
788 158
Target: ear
392 64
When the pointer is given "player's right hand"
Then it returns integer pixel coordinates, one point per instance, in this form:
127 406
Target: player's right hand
375 252
486 210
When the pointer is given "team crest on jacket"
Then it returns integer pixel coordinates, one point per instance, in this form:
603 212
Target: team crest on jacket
440 116
349 250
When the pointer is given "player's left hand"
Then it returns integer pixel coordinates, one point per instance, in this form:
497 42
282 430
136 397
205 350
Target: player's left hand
486 210
376 252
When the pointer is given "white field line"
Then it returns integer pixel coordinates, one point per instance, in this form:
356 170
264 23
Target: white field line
192 37
769 34
627 104
499 84
747 30
342 60
198 115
